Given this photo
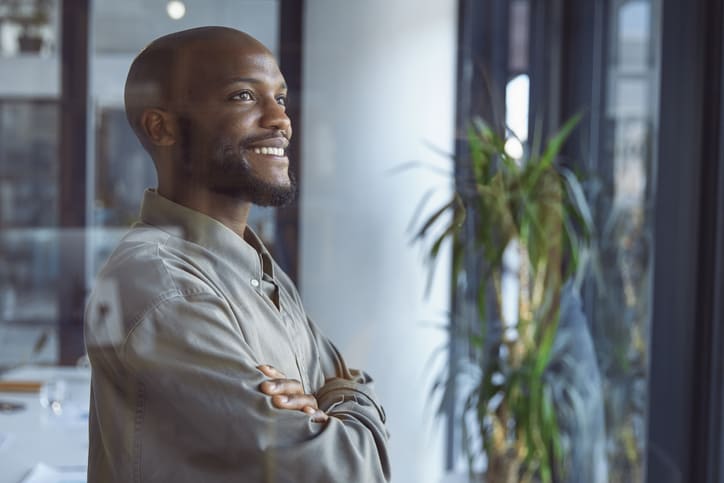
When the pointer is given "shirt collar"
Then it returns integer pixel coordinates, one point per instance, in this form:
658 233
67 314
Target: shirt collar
203 230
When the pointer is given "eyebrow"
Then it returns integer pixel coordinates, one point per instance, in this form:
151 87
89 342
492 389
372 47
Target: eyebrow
250 80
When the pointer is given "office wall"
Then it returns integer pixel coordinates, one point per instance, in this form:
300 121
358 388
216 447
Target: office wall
378 80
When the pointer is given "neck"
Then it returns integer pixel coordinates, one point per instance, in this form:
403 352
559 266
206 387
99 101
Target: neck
231 212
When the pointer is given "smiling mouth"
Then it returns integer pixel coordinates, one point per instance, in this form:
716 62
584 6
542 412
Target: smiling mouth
268 151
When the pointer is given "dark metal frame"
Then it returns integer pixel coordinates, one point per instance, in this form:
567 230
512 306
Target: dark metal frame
685 385
482 75
291 21
715 473
74 55
687 338
546 67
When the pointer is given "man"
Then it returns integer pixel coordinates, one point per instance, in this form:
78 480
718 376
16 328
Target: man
205 366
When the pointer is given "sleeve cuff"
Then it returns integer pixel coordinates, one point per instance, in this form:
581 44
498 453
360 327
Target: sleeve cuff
336 391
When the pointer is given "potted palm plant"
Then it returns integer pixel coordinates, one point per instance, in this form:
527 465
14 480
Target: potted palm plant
536 208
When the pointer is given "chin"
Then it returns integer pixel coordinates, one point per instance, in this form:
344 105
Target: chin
260 192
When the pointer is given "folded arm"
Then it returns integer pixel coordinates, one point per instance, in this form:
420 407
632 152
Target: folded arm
199 389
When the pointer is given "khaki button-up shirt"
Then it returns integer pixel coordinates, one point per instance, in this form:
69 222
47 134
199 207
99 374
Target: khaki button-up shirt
180 317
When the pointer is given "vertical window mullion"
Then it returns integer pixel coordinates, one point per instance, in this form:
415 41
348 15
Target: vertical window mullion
72 175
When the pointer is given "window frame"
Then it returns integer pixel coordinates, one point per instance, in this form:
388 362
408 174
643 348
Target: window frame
685 427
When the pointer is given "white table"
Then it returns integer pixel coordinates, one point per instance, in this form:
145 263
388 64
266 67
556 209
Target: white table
35 434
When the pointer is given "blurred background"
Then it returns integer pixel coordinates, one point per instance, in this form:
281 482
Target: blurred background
376 86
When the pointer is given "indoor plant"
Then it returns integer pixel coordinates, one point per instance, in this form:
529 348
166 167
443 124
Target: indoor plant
537 208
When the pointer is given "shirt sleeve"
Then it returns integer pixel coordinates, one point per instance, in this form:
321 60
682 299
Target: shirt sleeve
198 401
343 383
349 393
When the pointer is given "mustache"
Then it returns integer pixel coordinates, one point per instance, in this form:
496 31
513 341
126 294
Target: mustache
264 137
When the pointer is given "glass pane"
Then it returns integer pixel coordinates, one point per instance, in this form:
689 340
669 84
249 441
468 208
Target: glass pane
29 46
28 237
123 169
28 163
622 311
29 113
29 28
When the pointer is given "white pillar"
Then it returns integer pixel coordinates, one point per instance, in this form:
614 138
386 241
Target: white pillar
379 89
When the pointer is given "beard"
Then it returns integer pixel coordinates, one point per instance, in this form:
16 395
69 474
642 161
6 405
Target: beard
227 172
234 177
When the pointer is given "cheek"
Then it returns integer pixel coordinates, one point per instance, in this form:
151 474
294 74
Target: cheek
233 122
220 145
218 135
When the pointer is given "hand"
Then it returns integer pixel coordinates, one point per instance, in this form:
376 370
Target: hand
289 394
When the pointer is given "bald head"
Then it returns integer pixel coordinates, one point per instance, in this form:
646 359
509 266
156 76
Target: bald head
209 105
171 69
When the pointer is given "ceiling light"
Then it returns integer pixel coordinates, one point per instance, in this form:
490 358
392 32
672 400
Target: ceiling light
176 9
514 148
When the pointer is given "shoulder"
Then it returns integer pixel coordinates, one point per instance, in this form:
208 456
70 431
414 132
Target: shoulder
149 267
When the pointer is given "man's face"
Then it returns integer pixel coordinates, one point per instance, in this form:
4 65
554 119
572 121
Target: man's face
234 128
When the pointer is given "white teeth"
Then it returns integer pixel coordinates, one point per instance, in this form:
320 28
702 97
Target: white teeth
269 151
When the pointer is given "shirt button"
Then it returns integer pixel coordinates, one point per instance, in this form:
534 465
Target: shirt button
254 282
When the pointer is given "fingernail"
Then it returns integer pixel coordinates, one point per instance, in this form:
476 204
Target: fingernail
310 410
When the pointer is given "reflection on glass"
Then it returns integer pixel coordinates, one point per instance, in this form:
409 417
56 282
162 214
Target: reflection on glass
28 253
28 239
123 170
29 124
622 311
28 163
52 395
28 27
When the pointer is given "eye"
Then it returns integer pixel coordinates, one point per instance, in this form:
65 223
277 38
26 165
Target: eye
282 101
243 96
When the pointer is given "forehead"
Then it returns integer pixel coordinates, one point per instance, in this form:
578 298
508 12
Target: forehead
214 65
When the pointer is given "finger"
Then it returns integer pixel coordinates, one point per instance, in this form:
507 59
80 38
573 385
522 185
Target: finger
318 416
271 371
297 402
281 386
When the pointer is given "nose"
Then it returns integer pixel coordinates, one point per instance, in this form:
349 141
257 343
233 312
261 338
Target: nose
275 117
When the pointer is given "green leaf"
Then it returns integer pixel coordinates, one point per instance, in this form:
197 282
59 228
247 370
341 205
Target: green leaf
448 233
551 151
556 142
419 164
433 218
418 210
544 352
577 197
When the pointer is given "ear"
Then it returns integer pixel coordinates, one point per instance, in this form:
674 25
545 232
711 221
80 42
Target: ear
159 126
